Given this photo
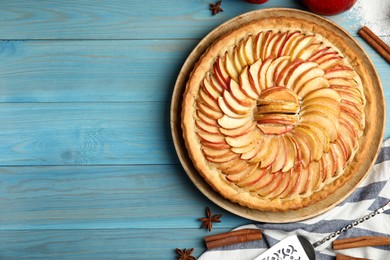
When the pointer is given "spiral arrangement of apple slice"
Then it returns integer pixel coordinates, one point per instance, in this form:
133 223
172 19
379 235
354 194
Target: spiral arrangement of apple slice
280 114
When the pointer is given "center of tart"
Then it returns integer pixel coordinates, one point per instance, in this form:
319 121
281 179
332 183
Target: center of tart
277 110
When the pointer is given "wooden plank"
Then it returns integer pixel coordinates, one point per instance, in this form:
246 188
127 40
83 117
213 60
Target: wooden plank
85 133
117 19
120 19
148 243
103 197
88 71
100 71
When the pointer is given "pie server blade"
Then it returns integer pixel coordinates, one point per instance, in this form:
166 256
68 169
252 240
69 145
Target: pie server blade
292 247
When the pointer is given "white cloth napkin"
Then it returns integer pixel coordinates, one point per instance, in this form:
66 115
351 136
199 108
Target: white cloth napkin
372 193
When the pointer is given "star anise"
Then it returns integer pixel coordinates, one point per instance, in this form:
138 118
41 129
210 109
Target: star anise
185 254
207 222
216 8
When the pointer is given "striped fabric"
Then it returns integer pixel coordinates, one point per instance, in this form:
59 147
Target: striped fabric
372 193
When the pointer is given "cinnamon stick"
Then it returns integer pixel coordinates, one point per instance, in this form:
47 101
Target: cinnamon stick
360 242
233 237
375 42
345 257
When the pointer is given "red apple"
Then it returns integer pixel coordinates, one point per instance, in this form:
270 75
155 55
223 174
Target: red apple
328 7
257 1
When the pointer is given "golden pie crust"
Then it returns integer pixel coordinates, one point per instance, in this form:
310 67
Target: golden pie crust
273 114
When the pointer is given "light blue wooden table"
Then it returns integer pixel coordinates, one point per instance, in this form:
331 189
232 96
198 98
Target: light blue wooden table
88 166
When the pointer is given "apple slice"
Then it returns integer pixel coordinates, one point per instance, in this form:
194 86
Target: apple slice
238 95
263 152
280 80
311 85
295 177
297 71
275 129
244 129
241 54
269 46
254 76
211 129
237 177
227 109
248 148
261 183
303 149
330 62
277 46
208 101
269 75
208 111
253 178
290 154
301 45
244 140
319 103
349 94
307 76
309 51
347 129
278 107
328 165
302 184
347 139
233 166
223 158
211 138
210 89
313 140
272 186
248 50
278 94
323 92
326 123
223 145
340 156
280 160
266 40
321 115
316 173
230 68
282 187
343 82
252 152
319 53
258 45
273 151
262 72
220 73
245 84
289 42
340 71
281 67
231 123
215 83
285 119
215 153
236 58
317 130
234 105
324 56
206 119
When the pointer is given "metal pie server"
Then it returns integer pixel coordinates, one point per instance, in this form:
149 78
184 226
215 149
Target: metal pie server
298 247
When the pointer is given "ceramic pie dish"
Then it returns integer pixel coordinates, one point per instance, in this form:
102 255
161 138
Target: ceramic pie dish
281 114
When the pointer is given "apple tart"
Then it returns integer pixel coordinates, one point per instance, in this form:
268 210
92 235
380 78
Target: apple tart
273 114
